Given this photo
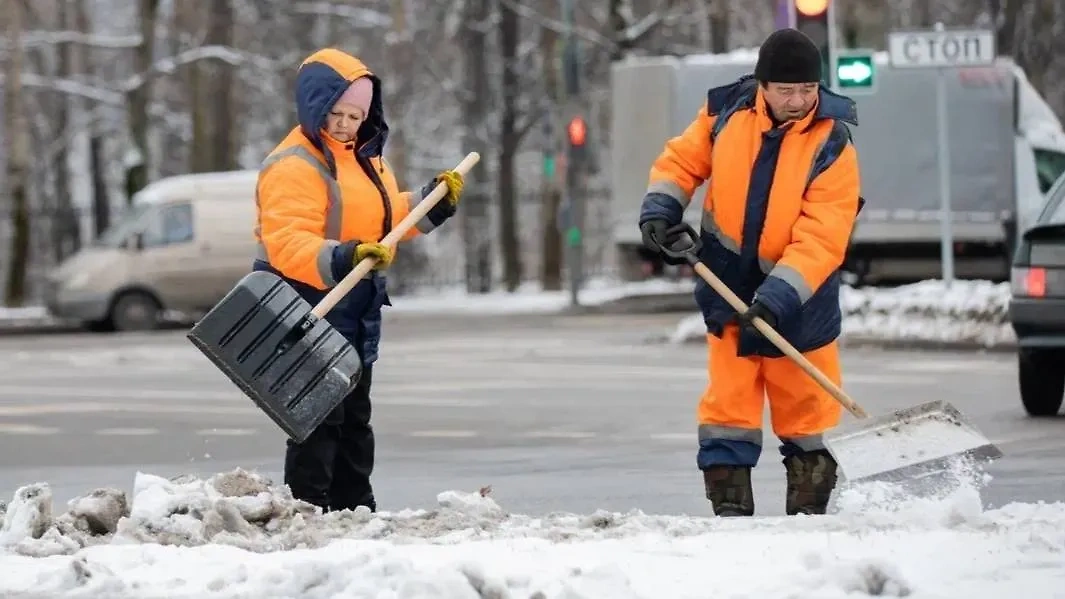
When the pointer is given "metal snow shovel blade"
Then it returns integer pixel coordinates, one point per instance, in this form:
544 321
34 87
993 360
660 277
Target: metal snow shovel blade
907 444
280 351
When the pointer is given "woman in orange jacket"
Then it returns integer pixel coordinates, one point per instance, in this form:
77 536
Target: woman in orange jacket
326 198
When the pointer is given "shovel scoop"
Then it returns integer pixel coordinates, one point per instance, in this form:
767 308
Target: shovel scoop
909 444
280 351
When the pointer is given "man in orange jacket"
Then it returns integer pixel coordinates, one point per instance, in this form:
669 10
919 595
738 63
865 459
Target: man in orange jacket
777 219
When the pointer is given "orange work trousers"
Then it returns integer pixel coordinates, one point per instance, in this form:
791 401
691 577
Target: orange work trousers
730 410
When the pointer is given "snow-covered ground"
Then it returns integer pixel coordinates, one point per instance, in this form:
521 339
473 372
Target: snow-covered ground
969 312
531 298
237 535
23 315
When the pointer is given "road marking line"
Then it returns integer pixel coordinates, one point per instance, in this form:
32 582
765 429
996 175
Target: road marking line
84 392
675 437
128 432
444 434
559 435
226 432
430 401
12 428
95 408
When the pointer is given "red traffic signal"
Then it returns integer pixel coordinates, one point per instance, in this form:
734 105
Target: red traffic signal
577 131
811 8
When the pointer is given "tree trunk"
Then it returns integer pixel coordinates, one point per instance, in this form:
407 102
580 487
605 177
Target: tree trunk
212 98
719 26
66 227
18 160
509 139
551 237
402 60
476 231
101 202
139 97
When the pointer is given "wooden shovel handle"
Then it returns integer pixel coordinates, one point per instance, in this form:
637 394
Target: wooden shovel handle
782 344
394 236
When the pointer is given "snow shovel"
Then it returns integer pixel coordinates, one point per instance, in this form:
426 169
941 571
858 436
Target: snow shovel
280 351
908 444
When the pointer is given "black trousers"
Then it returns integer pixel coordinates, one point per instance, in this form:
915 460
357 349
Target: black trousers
332 467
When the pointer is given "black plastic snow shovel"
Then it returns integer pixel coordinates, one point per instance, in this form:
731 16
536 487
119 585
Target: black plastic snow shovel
908 444
280 351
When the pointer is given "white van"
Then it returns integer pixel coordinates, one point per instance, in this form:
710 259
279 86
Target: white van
180 247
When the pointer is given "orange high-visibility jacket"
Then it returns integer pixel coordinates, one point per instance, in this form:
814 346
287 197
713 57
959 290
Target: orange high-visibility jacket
318 197
779 210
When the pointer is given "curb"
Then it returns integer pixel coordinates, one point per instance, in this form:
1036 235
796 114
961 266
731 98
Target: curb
30 327
871 342
928 345
664 303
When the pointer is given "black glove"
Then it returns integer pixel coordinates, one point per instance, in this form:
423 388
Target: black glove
756 310
658 234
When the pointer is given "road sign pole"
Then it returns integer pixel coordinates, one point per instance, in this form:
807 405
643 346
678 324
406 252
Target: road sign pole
942 49
943 162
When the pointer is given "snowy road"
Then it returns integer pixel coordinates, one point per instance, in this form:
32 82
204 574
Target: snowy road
577 419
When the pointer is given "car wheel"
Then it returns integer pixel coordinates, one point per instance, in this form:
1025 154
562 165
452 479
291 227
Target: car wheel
135 311
1042 380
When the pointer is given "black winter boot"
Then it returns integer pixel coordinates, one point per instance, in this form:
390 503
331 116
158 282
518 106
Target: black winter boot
811 479
729 490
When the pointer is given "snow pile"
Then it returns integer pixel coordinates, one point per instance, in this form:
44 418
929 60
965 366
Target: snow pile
968 312
531 298
975 312
25 315
224 537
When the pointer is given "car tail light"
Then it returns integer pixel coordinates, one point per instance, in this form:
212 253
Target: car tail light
1030 282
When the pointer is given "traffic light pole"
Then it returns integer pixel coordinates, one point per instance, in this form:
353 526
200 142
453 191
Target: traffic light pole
572 198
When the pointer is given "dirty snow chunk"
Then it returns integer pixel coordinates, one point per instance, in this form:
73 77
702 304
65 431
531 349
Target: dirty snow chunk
28 516
470 503
100 510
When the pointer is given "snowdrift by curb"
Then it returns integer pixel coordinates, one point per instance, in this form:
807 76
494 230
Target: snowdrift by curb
970 313
238 535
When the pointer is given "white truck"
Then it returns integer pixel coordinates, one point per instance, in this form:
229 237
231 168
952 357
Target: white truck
1006 147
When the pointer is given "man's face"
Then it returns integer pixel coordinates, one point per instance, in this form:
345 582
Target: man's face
790 101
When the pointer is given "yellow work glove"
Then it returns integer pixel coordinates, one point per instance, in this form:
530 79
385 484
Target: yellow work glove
454 182
375 249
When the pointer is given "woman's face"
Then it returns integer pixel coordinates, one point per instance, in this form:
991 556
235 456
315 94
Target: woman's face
343 122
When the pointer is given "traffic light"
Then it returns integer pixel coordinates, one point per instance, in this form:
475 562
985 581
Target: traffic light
577 131
855 71
815 19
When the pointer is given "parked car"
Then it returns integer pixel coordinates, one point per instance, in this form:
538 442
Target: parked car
1037 307
180 247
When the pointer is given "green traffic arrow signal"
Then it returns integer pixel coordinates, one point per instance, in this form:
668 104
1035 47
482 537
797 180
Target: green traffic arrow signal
855 72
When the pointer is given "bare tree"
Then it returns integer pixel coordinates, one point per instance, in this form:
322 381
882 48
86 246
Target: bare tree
551 191
66 232
139 96
18 159
476 98
509 141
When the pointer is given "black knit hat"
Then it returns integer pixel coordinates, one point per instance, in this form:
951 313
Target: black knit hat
788 56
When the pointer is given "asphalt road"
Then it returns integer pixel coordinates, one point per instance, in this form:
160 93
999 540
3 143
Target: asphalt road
556 414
